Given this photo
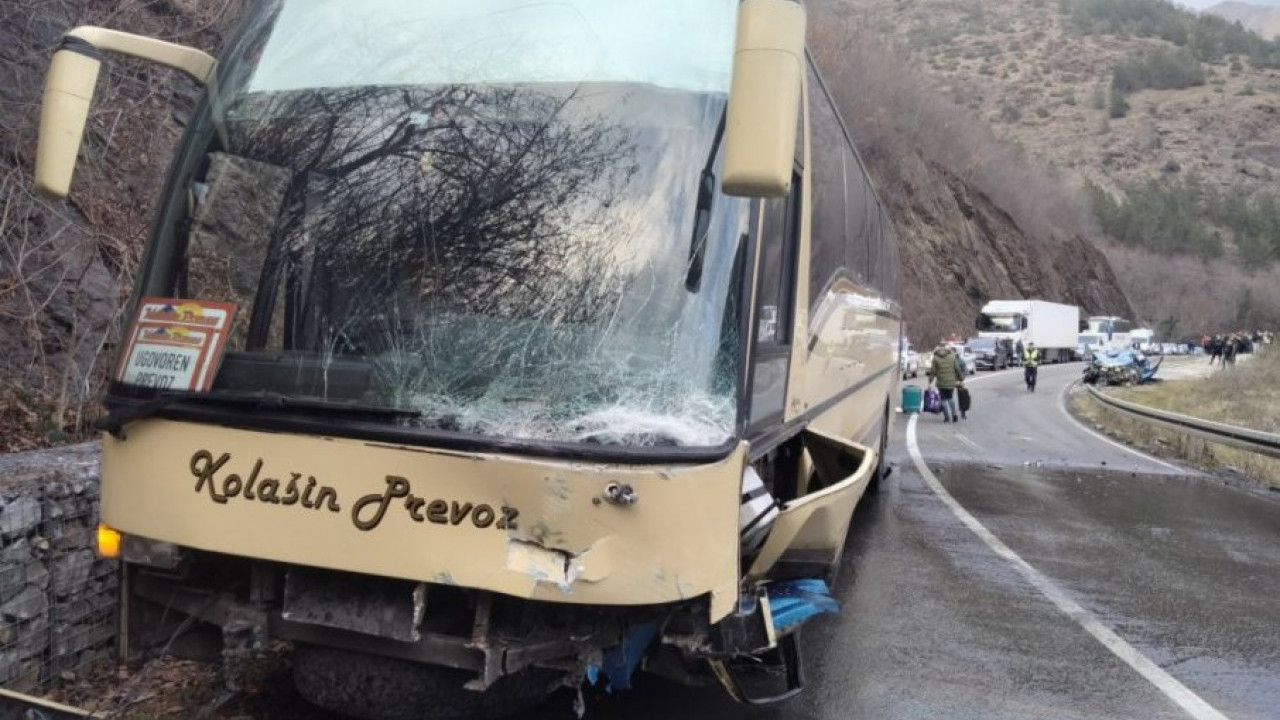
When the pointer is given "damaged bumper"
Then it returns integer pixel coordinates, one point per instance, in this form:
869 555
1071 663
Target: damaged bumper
553 531
480 562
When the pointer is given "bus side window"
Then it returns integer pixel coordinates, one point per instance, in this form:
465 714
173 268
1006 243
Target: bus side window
860 220
827 244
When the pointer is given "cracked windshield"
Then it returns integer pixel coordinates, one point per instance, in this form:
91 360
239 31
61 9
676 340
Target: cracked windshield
481 213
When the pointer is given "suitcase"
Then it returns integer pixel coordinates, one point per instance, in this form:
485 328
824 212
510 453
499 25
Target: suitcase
965 401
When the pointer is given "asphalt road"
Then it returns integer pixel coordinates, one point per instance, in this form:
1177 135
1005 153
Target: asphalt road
1178 574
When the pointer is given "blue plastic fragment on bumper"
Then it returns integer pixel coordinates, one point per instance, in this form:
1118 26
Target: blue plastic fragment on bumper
794 601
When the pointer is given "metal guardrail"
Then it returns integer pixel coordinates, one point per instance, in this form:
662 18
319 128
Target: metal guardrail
1244 438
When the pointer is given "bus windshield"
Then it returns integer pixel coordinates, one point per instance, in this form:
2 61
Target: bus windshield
483 213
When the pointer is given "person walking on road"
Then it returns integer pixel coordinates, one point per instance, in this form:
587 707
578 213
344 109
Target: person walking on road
1031 365
948 372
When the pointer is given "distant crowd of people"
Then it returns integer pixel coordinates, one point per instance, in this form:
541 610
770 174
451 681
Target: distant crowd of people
1224 347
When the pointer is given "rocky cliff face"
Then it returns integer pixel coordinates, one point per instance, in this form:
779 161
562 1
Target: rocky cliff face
65 267
960 250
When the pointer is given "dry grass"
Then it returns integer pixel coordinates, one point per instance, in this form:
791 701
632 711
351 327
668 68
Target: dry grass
1247 395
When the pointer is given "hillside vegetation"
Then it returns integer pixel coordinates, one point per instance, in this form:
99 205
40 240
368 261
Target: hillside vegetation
1260 17
1208 37
1165 119
66 267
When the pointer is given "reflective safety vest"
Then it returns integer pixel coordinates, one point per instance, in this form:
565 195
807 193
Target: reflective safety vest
1031 358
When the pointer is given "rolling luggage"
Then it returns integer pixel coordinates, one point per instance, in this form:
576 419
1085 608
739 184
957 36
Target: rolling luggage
912 399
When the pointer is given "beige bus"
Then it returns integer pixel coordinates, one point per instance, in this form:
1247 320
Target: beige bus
485 348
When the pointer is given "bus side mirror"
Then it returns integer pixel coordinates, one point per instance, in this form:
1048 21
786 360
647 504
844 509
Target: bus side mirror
764 98
68 93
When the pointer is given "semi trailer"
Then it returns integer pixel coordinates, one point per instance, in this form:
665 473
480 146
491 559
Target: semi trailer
1052 327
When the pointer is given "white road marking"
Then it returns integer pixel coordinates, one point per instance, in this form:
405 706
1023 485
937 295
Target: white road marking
972 445
1062 406
1193 704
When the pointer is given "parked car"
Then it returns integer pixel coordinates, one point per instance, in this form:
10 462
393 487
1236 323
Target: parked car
989 354
909 361
967 358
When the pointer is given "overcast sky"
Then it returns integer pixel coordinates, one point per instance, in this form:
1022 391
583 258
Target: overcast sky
1202 4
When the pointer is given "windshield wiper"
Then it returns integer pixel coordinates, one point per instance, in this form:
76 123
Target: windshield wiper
702 213
117 418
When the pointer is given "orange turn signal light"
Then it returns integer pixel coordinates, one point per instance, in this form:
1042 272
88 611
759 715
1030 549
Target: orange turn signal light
108 542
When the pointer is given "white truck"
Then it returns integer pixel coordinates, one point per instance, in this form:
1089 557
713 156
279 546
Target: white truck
1144 339
1115 332
1053 327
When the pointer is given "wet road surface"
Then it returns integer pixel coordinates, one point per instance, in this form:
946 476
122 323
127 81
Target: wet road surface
934 624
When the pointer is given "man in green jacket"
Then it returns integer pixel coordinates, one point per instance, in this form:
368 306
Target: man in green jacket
1031 365
947 371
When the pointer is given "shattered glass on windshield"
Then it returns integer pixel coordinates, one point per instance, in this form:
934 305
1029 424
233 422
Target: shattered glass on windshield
516 261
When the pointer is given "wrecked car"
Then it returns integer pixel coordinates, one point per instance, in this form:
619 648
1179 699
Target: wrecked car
1120 366
482 349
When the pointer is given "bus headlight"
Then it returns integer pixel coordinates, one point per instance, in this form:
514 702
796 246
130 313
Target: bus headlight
108 542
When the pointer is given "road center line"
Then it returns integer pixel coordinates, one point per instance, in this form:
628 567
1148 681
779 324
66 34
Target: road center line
1193 704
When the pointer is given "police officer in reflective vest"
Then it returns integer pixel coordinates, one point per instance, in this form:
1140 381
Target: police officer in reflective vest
1031 365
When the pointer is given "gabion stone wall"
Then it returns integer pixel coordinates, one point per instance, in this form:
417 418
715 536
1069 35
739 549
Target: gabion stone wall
57 598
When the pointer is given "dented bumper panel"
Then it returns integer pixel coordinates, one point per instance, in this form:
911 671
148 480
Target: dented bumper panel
544 530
